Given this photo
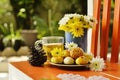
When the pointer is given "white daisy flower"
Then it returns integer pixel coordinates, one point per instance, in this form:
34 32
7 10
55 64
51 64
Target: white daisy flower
91 20
67 17
63 21
86 18
72 15
71 45
97 64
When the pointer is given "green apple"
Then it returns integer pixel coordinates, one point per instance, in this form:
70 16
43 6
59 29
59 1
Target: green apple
68 60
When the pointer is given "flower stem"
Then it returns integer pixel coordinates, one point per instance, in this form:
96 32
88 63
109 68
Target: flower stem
49 22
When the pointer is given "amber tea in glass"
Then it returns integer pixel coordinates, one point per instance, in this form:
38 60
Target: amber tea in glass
49 43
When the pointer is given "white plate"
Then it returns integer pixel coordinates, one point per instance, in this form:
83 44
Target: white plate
70 65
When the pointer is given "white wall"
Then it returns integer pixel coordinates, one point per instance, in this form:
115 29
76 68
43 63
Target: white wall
89 12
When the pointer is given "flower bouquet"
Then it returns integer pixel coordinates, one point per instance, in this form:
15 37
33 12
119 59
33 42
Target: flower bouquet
75 27
76 24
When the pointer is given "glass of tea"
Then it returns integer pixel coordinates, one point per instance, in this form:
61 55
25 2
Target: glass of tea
51 42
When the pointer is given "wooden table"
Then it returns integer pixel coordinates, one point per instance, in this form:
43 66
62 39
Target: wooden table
24 71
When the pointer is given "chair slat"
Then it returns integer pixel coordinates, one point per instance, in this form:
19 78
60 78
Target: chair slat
105 28
116 32
95 30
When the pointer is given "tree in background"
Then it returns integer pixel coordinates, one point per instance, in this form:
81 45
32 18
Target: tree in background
52 10
45 14
23 11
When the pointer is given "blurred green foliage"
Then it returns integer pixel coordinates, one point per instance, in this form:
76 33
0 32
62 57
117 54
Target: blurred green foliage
6 15
51 11
8 32
42 15
45 13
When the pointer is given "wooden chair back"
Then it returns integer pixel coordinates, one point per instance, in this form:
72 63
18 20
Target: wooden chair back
104 29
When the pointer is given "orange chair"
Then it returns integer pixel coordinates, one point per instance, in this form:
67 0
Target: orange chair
104 29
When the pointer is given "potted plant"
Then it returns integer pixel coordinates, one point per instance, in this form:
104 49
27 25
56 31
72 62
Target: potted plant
12 39
23 12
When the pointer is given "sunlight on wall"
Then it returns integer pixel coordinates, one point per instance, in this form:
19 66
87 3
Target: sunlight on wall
89 12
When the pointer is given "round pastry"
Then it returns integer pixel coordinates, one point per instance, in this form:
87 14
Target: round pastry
76 52
66 53
82 60
68 60
56 60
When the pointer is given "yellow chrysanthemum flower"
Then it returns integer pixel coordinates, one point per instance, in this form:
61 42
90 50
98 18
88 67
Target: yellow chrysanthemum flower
57 52
73 20
65 27
86 25
77 31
